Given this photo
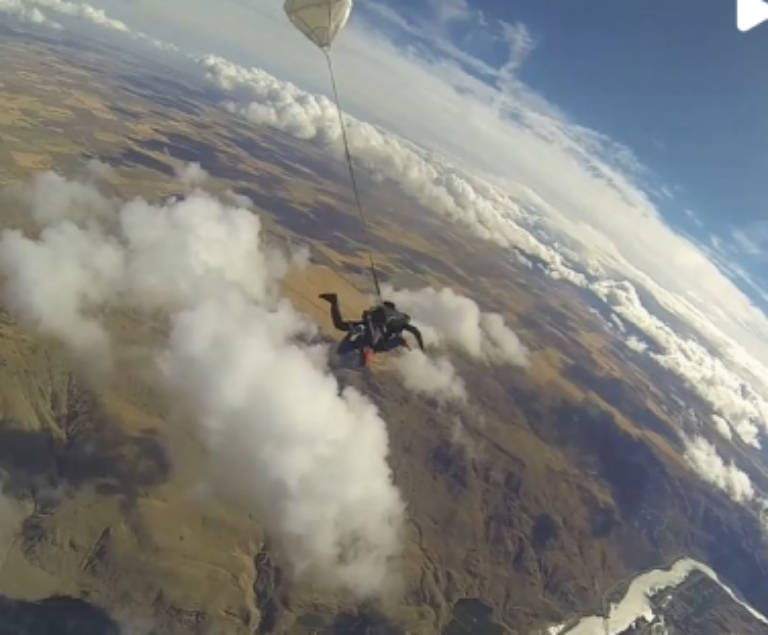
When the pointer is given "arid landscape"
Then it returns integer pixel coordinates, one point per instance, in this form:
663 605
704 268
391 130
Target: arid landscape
525 505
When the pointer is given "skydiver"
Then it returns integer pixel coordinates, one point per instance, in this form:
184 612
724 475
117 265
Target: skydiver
382 327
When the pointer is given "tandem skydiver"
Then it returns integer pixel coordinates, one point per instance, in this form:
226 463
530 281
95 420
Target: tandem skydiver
381 327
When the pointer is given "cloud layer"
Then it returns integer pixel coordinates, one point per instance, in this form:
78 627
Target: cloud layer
704 459
33 11
82 11
26 12
191 175
284 441
308 461
37 12
732 399
449 319
433 377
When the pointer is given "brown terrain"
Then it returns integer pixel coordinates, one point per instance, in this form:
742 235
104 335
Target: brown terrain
525 506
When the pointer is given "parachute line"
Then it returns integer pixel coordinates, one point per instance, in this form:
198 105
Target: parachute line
352 177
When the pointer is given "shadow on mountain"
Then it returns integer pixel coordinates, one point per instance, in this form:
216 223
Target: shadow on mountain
595 442
54 616
134 158
369 622
623 396
473 617
112 461
658 512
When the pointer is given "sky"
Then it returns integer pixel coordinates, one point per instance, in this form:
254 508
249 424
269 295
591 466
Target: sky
678 84
621 145
675 82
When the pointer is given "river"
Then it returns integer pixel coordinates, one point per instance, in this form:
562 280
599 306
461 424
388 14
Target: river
636 602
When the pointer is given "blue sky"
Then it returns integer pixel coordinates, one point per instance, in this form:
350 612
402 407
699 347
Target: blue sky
674 81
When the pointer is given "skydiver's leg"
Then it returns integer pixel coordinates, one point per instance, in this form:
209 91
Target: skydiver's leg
367 345
338 322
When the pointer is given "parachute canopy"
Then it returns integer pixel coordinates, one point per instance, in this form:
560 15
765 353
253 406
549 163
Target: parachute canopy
319 20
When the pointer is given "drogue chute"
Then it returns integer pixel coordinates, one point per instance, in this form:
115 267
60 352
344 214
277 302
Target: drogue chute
319 20
380 328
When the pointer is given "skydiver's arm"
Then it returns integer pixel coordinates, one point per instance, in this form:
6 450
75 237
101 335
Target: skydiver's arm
416 333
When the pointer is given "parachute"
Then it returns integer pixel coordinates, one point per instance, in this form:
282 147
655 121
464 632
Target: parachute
321 21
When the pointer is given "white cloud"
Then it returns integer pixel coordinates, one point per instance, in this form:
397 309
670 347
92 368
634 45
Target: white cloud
59 282
22 11
191 175
31 11
49 197
752 239
617 323
434 377
283 440
310 462
99 170
636 344
722 427
500 343
81 11
704 459
694 218
727 393
448 11
197 245
448 318
746 243
431 33
521 44
453 28
240 200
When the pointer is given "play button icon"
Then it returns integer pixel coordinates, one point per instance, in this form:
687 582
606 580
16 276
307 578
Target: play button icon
750 13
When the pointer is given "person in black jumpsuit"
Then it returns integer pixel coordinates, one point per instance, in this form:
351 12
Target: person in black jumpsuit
383 326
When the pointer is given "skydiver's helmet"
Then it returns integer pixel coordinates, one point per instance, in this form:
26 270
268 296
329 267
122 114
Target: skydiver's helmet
387 315
402 317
